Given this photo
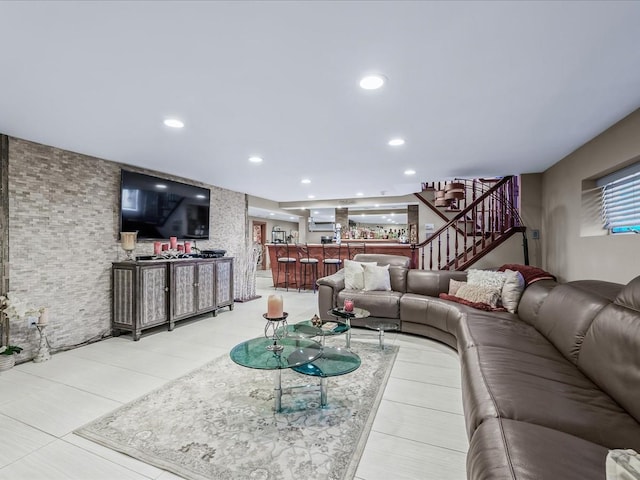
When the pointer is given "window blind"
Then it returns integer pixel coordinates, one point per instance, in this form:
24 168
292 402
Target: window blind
621 203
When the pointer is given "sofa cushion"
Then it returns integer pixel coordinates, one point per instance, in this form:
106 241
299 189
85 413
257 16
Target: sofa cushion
610 353
381 304
479 294
454 286
354 274
545 390
532 299
398 267
565 317
486 278
512 290
430 311
431 283
507 449
376 278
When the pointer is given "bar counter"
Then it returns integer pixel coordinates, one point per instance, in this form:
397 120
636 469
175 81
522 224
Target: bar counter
316 251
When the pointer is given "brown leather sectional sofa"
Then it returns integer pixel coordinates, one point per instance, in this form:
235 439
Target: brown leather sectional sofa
546 391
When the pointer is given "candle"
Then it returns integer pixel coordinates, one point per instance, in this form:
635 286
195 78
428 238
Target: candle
348 305
274 306
187 247
180 248
128 240
157 247
165 247
44 317
173 241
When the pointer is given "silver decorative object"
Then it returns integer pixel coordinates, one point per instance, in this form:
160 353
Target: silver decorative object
275 329
43 349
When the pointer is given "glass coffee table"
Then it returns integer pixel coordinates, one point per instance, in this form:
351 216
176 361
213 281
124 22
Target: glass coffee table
306 329
296 351
334 361
346 317
382 326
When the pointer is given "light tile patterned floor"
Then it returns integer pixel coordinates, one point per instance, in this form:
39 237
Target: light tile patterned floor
418 432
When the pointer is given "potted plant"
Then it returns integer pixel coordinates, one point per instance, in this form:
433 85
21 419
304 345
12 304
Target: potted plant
7 359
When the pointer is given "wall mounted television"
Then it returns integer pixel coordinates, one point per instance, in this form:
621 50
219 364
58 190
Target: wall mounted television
158 208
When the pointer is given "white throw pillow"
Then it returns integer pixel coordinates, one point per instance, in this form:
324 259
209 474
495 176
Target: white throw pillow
454 286
512 290
376 278
354 274
479 294
486 278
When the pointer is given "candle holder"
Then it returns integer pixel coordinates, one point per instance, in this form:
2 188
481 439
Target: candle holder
128 244
43 349
275 329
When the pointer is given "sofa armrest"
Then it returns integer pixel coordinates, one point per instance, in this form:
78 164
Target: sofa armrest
335 281
328 289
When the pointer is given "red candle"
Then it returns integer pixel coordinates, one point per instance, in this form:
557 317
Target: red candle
165 247
157 247
348 305
180 248
173 241
187 247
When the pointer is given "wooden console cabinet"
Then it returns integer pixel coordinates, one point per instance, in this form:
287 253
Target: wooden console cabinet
156 292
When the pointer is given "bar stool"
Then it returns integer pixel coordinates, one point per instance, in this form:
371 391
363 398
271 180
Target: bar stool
331 258
354 248
306 262
285 260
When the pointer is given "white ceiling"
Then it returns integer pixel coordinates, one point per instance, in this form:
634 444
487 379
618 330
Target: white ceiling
476 88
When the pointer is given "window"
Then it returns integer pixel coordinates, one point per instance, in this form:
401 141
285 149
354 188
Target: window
621 200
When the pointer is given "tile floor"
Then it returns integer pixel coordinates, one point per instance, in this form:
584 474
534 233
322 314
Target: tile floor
418 431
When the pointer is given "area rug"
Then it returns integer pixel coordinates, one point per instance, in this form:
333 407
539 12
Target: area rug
218 422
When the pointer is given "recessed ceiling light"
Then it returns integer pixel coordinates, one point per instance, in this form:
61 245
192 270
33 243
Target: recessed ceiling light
305 180
396 142
316 212
173 123
292 218
359 194
372 82
255 159
410 172
271 213
311 196
377 205
160 185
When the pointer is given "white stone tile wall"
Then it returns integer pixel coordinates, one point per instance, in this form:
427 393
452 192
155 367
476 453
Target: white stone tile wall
63 237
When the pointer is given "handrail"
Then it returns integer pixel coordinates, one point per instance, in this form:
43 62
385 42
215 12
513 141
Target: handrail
494 217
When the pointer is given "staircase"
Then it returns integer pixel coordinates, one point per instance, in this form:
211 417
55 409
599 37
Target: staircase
486 217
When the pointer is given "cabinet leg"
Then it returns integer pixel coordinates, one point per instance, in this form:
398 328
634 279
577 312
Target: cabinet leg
215 313
171 326
136 335
115 332
231 307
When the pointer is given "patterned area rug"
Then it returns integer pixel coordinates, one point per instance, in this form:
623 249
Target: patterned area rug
217 422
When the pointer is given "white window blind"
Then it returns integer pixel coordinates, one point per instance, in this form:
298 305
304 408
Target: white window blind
621 200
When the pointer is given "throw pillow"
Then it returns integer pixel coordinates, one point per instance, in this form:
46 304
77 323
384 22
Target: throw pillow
485 278
354 274
454 286
479 294
376 278
512 290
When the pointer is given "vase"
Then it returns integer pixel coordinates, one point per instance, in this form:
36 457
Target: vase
7 362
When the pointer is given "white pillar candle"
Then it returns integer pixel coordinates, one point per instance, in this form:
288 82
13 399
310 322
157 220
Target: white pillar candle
128 240
274 306
44 317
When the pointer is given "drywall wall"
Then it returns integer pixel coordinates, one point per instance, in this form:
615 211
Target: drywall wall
566 252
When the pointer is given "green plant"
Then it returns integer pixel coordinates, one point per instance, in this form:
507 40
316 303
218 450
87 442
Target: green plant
10 350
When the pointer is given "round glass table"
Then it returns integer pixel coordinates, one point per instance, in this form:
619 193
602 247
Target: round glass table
296 351
334 361
347 316
382 326
306 329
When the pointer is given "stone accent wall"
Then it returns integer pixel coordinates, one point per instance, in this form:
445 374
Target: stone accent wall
63 237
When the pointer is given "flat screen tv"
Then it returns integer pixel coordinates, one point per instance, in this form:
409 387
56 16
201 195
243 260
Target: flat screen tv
158 209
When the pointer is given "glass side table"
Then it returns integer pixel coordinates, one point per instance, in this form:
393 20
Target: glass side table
382 326
347 316
306 329
334 361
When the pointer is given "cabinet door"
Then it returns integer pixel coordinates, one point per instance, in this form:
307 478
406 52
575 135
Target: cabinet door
183 291
206 286
153 295
224 282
